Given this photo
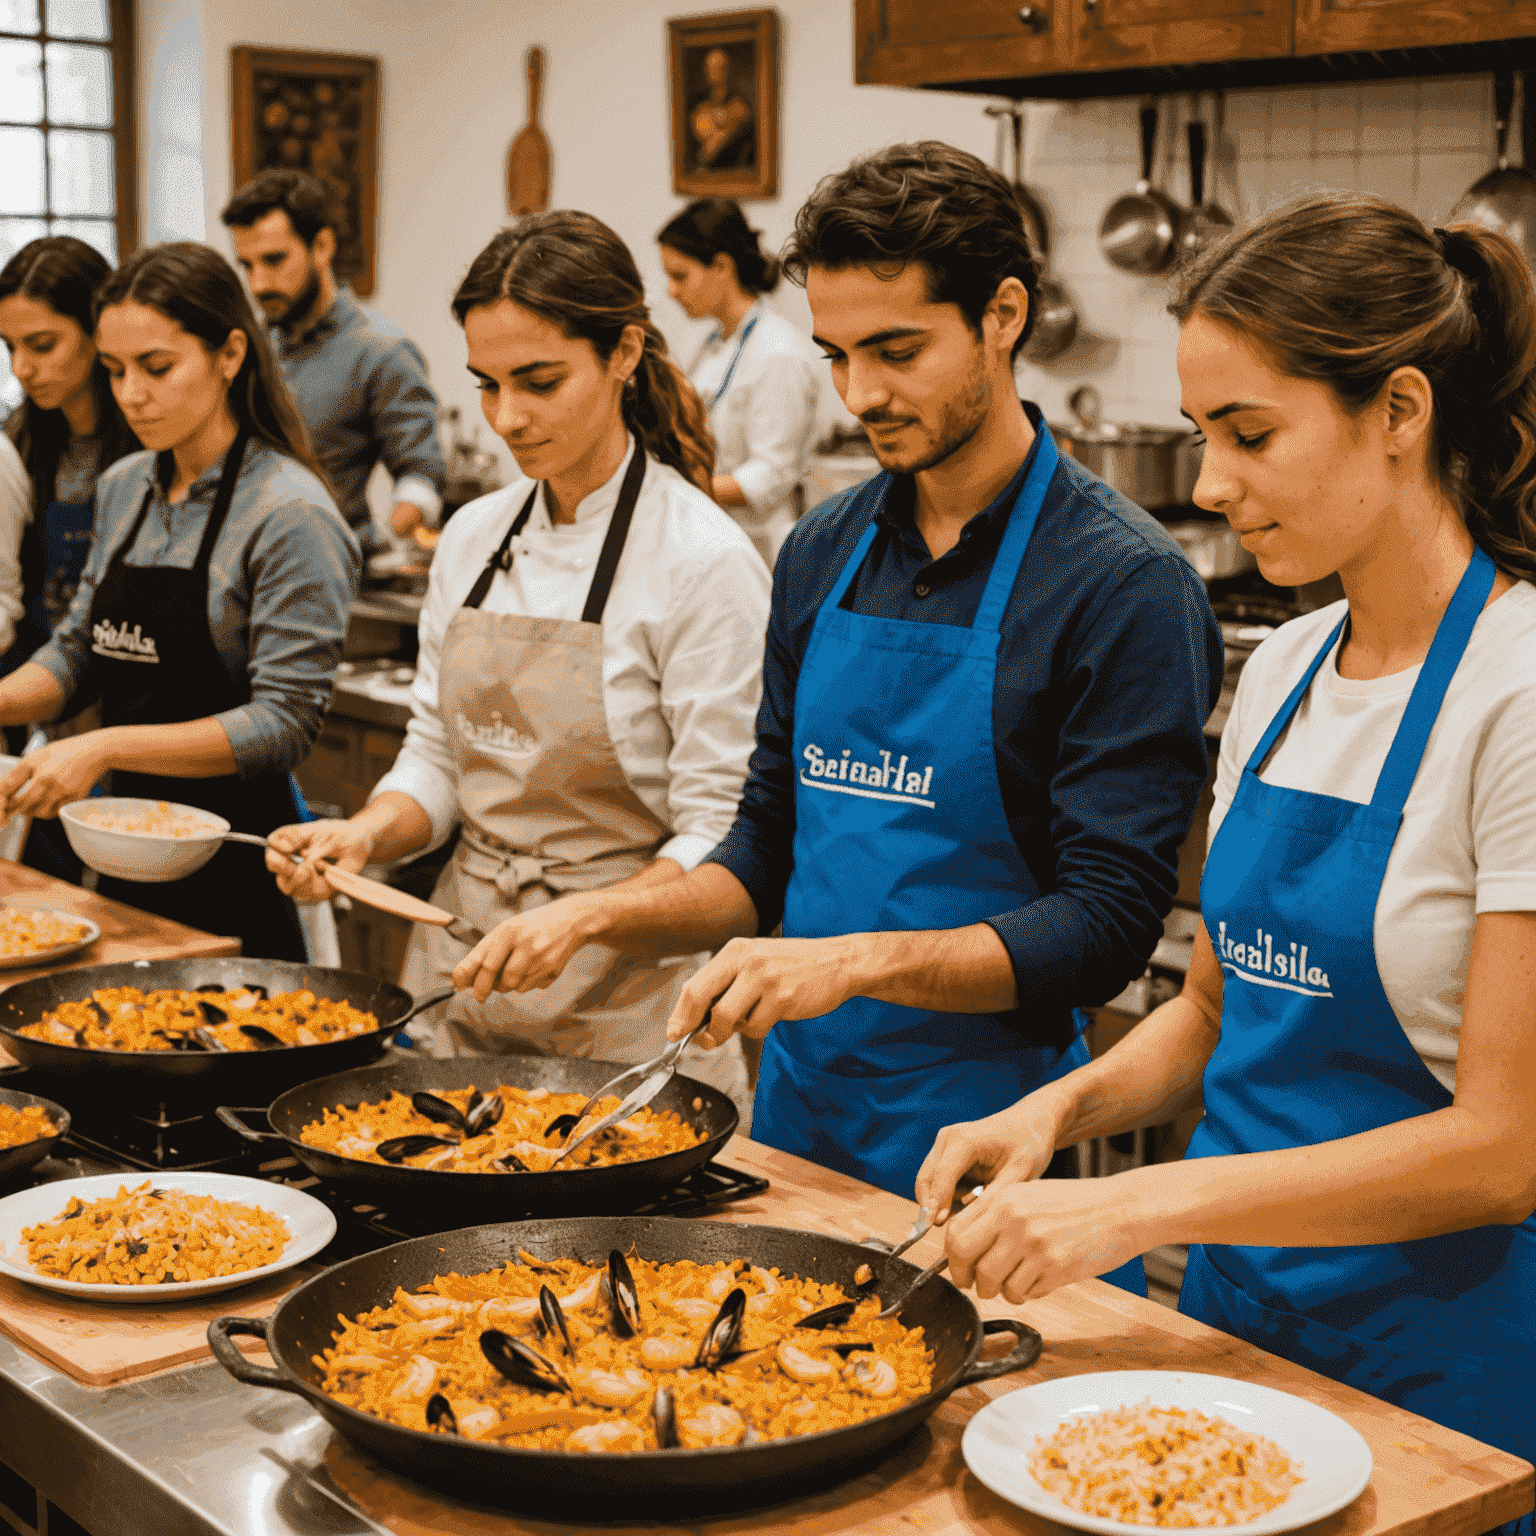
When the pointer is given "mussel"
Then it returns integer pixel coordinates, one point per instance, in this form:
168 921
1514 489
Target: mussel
554 1318
210 986
208 1040
562 1126
398 1148
437 1109
514 1163
664 1411
440 1415
100 1012
264 1038
622 1296
211 1013
481 1116
521 1364
829 1317
721 1335
849 1349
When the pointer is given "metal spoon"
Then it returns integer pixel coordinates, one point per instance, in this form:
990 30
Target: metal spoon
922 1279
915 1234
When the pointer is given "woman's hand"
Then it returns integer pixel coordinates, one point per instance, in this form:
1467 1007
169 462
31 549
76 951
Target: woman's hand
55 775
1011 1147
528 952
1026 1240
343 843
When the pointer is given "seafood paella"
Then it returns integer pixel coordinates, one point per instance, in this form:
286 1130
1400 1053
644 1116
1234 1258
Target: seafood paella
18 1126
27 931
633 1356
510 1130
1163 1466
149 1236
211 1018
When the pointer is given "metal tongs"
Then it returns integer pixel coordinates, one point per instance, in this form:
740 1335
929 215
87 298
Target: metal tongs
650 1078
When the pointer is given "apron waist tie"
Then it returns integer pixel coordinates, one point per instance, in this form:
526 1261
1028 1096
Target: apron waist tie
511 870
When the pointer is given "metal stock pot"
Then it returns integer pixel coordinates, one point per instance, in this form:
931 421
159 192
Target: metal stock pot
1153 466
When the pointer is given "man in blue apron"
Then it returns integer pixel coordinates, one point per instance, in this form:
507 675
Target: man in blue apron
980 742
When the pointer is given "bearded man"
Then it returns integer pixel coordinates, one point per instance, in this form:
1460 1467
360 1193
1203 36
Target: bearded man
980 742
360 383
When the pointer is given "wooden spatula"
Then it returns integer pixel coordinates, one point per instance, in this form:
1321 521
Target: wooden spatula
386 898
528 159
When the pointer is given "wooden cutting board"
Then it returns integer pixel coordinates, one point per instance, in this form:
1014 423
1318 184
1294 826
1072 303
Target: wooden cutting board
528 159
101 1345
1428 1481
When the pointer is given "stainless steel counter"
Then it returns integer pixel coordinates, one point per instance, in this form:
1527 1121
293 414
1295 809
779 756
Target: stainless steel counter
184 1453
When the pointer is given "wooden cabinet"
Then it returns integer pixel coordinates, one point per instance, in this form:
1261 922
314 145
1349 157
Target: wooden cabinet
911 42
1137 34
1352 26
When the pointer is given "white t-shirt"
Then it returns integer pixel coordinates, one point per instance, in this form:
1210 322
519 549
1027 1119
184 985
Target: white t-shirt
682 644
15 514
1467 843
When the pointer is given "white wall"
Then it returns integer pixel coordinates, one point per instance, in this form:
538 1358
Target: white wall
453 97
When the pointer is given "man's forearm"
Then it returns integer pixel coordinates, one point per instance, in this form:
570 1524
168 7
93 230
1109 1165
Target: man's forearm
700 910
952 970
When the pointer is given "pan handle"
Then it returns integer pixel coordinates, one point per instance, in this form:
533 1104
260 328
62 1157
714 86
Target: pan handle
429 1000
227 1353
231 1117
1022 1355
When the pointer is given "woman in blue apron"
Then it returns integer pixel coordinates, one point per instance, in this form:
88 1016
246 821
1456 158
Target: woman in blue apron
68 430
1358 1196
210 616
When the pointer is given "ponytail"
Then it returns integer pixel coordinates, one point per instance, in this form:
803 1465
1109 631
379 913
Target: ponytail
1346 288
710 225
575 272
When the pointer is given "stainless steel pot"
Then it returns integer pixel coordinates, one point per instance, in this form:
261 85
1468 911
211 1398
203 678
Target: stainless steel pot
1147 464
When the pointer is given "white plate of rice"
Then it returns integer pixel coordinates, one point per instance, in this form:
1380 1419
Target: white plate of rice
1103 1419
26 932
310 1227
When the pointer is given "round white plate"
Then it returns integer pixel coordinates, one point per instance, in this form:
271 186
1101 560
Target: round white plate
310 1225
1335 1461
58 951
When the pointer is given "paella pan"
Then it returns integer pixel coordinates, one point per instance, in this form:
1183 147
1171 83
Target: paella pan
659 1482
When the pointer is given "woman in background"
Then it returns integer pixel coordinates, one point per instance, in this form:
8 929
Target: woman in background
757 374
210 616
66 433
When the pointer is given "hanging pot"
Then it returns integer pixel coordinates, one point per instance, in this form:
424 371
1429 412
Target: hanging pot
1137 233
1504 199
1142 463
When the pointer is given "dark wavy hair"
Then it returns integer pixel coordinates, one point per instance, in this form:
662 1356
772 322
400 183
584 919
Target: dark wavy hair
62 273
194 286
711 225
576 273
1344 288
930 203
311 203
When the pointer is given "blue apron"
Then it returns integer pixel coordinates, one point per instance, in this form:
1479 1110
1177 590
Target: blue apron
1311 1052
55 549
899 825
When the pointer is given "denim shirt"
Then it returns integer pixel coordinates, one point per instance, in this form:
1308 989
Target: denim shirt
282 575
362 389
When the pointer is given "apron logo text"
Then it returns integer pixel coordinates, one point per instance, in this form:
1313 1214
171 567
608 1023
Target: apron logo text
888 779
1268 963
122 643
498 735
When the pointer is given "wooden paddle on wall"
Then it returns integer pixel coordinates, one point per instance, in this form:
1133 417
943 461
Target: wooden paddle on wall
528 159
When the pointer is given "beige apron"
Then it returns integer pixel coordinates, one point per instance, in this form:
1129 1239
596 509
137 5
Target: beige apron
545 809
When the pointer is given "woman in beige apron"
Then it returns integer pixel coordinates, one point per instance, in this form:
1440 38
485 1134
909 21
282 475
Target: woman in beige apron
590 660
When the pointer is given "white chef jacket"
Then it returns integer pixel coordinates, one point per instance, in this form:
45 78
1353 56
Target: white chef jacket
765 420
682 644
15 514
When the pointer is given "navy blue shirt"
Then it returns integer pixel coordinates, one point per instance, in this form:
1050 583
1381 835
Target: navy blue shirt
1109 665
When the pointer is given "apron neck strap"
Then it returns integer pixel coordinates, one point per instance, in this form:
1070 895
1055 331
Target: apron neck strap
618 532
730 372
607 561
1445 653
502 559
221 501
1450 644
1022 518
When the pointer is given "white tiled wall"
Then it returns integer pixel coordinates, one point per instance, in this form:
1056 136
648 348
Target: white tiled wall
1420 142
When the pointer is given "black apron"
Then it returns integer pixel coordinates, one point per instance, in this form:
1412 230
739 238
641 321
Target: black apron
154 662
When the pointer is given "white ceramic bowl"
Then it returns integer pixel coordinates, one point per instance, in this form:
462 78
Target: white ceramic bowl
146 856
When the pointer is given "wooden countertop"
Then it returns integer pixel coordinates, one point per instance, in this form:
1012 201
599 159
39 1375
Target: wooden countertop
1428 1481
126 933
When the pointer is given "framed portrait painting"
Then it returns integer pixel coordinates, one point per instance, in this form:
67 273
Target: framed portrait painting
314 112
725 104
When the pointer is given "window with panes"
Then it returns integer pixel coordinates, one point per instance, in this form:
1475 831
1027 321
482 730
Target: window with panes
66 113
